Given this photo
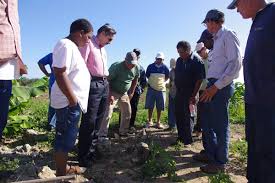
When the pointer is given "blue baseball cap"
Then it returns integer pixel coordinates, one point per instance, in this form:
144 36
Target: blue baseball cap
232 5
213 15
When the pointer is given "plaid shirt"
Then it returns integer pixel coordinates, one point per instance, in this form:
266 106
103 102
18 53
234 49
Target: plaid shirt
10 46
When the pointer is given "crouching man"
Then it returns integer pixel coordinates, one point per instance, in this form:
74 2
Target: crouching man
123 76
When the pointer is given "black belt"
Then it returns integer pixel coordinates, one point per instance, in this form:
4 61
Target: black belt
97 78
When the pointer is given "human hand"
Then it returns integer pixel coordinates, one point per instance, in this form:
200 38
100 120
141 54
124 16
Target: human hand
208 94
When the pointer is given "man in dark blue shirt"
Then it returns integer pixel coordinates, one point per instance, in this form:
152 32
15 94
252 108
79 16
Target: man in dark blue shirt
259 79
48 60
189 74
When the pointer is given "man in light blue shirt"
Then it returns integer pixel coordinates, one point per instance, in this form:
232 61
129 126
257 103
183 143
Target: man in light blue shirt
223 68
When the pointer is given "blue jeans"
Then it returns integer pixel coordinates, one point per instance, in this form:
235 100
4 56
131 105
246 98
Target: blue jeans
171 112
215 124
67 119
51 110
5 95
260 136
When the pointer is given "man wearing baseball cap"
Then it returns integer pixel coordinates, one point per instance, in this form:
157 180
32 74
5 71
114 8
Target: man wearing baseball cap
259 80
157 74
223 69
123 78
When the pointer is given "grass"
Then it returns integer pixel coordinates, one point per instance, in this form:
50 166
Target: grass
239 150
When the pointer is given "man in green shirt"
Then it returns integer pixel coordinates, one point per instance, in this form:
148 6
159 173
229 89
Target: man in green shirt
123 76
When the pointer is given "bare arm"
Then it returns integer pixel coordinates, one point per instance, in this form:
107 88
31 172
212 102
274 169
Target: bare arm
195 91
133 87
65 85
43 69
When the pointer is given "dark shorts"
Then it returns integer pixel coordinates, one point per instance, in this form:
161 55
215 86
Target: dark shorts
67 119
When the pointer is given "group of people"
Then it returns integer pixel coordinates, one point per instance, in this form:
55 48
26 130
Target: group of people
81 83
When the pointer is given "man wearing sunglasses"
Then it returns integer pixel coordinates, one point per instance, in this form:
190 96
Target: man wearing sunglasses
259 80
223 69
95 55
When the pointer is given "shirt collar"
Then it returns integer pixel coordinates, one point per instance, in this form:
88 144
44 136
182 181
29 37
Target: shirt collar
219 33
96 41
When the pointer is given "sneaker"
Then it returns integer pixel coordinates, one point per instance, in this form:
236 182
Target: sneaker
213 168
201 157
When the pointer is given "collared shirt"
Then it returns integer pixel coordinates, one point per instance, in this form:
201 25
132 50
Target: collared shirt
48 60
226 58
96 58
9 30
187 73
157 75
120 78
66 54
259 59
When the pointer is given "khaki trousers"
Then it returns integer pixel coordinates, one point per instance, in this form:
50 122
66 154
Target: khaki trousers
123 102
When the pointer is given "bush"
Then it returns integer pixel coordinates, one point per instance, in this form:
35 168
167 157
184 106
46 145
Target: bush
159 163
236 105
220 178
239 150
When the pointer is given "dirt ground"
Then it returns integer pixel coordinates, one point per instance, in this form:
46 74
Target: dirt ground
116 164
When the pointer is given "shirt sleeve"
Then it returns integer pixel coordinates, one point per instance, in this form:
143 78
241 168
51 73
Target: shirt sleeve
46 60
62 56
148 71
113 71
234 59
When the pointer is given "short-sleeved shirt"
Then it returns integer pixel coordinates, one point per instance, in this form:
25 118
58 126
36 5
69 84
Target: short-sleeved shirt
187 73
48 60
259 59
66 54
157 74
120 77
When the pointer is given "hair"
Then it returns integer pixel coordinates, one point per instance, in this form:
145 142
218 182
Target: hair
107 29
81 25
184 45
137 51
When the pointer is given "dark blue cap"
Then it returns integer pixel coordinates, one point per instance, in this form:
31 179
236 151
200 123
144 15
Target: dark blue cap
205 35
213 15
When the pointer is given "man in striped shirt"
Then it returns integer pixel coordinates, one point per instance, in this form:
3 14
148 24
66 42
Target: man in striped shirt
11 65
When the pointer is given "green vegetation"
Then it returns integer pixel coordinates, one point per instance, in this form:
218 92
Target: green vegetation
236 106
159 163
220 178
8 164
23 114
239 150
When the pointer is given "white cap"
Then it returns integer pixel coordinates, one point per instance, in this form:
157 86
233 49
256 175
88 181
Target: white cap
160 55
173 63
199 46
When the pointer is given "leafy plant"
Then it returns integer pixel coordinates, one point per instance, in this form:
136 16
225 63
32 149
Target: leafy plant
236 105
239 150
159 163
220 178
9 164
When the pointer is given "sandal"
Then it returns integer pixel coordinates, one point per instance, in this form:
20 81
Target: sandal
74 170
159 126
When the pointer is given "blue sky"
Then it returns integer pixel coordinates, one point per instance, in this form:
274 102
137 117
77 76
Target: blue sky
151 25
